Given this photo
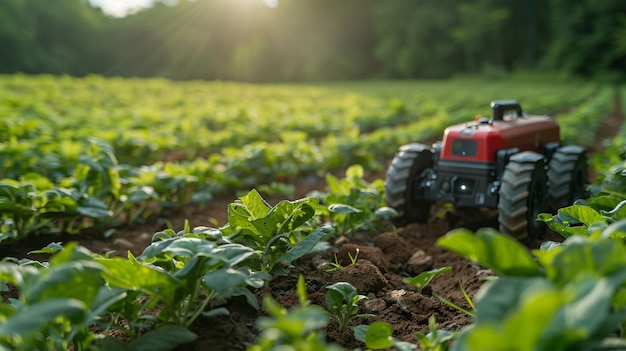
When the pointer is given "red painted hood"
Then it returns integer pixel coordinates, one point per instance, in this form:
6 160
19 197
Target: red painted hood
479 142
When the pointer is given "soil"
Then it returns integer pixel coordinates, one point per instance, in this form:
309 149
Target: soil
383 260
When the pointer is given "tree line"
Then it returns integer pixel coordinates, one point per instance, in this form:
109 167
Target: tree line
304 40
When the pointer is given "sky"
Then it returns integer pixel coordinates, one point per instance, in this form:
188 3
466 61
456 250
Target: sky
120 8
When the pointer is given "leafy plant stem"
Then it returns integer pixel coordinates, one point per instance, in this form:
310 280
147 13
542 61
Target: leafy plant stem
267 250
199 310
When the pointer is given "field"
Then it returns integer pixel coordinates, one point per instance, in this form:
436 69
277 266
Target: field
112 163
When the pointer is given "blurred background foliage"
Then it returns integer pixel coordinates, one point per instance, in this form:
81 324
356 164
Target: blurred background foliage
305 40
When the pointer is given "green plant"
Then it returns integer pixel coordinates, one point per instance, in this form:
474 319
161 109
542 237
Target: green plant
436 339
281 233
189 274
467 298
56 304
421 280
34 205
342 301
139 166
607 205
493 250
564 296
336 265
297 329
353 204
379 335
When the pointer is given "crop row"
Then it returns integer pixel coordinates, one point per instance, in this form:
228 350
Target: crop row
561 296
179 277
107 151
190 273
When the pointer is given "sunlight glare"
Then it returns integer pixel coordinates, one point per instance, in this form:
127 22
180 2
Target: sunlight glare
121 8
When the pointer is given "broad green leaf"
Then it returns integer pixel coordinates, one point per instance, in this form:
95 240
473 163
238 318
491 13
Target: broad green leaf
223 281
79 280
231 254
345 290
51 248
105 298
132 275
586 306
422 279
248 294
255 205
177 246
191 271
498 298
296 213
360 331
94 208
259 230
580 213
379 335
239 219
604 202
70 253
491 249
31 318
532 305
16 274
305 245
580 255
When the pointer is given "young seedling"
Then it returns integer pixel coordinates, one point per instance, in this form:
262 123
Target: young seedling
342 301
296 329
457 307
336 265
421 280
436 339
353 204
379 335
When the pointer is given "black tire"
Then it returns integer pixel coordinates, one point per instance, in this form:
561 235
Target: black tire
567 176
523 195
402 190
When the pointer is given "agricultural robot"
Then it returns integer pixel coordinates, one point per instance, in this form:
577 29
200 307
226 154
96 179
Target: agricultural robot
512 162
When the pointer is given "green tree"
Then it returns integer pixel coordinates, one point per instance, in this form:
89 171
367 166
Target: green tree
17 33
585 37
414 38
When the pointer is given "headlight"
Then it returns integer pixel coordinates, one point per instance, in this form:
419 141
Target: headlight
464 187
